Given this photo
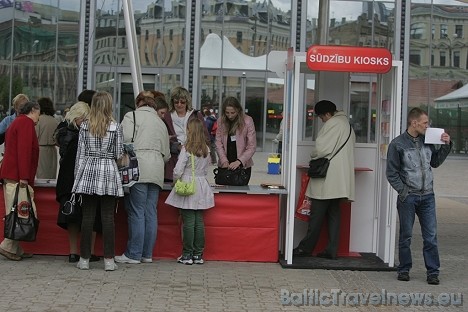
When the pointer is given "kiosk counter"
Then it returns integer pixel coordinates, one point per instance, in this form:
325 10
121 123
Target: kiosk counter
243 225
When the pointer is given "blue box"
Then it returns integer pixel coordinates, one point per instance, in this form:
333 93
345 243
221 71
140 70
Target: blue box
274 168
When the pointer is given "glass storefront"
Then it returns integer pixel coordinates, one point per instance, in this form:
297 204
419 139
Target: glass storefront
220 48
438 66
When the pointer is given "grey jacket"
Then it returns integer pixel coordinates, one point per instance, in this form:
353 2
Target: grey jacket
409 163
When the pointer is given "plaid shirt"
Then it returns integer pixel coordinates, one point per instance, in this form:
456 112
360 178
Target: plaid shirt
96 171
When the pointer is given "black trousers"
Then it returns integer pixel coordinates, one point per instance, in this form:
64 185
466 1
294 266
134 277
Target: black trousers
319 209
90 204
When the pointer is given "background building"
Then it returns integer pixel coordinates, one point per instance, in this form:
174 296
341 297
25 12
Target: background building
218 48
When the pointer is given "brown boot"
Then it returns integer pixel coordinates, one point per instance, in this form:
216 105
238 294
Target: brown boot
9 255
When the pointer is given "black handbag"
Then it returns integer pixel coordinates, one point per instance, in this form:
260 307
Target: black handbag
72 206
318 167
21 228
237 177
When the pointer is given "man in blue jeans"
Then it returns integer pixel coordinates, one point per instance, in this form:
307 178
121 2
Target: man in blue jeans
409 162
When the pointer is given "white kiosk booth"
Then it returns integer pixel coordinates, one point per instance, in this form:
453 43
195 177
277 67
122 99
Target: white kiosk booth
371 218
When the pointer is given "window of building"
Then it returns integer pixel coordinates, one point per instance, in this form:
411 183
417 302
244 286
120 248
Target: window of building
459 31
432 59
443 31
417 31
158 33
456 59
415 57
443 58
171 34
239 37
146 34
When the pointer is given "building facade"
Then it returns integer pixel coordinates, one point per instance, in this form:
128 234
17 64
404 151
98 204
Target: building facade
219 48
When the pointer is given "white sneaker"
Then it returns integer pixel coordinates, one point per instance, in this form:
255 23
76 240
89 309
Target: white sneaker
147 260
109 265
83 264
124 259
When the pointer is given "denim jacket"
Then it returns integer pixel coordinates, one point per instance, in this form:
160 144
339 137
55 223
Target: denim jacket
409 163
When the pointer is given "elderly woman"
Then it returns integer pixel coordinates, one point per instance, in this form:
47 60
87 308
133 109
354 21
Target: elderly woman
180 111
147 132
19 166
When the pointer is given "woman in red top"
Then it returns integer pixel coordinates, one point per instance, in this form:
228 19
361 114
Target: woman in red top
19 166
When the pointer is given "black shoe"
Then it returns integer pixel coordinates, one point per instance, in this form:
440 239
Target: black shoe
94 258
72 258
326 255
403 276
298 252
433 280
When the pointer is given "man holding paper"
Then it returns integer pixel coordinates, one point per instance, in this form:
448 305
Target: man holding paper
409 162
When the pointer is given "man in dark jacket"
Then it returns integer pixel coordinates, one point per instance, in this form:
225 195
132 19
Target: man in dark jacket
409 162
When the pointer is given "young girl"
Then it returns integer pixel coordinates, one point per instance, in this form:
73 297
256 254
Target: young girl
192 206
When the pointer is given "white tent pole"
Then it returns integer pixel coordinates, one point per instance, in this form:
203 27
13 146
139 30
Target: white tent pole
135 65
294 78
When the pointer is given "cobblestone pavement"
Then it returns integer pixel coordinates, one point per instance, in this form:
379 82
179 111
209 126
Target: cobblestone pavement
47 283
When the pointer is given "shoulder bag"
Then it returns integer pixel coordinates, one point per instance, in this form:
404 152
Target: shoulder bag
21 223
128 163
186 188
318 167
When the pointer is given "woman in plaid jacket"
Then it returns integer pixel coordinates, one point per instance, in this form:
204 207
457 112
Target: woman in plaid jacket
97 178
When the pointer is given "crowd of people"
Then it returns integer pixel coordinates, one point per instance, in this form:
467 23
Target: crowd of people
164 135
176 142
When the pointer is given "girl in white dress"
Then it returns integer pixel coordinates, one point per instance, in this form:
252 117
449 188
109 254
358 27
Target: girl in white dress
192 206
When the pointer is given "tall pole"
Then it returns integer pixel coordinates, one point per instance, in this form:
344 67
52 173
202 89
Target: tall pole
133 52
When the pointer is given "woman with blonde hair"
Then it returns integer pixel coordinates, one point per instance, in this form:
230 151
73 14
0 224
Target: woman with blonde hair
180 112
66 137
97 178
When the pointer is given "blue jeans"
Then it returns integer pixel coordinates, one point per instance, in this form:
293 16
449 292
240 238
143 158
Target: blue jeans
424 207
141 207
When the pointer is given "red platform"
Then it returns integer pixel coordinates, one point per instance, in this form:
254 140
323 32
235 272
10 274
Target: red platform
240 227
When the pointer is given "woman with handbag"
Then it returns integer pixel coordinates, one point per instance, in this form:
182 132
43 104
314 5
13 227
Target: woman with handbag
97 179
180 112
335 142
19 166
66 137
191 168
148 134
236 139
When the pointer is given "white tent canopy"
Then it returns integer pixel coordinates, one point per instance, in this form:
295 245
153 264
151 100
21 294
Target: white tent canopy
210 56
454 99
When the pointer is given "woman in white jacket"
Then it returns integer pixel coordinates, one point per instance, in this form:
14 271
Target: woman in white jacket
151 145
327 193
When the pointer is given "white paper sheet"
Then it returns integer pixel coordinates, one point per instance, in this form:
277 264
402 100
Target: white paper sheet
433 136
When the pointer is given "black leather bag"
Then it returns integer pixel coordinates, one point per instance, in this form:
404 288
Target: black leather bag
21 228
72 207
318 168
238 177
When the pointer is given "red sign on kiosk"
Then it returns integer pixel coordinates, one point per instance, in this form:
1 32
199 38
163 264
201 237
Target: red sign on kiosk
349 59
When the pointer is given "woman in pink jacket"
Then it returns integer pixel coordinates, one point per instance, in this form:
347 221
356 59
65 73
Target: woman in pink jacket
236 139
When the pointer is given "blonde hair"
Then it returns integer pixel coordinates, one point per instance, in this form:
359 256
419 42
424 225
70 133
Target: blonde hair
100 114
19 101
78 110
196 139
